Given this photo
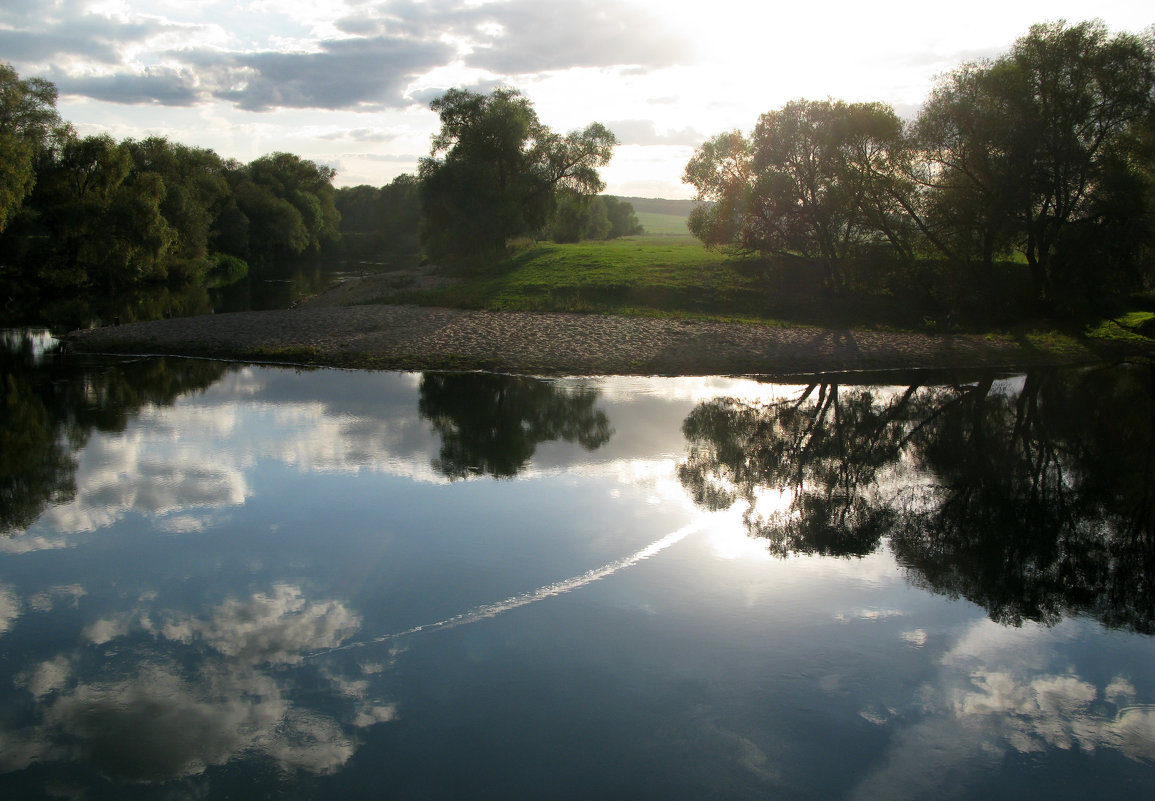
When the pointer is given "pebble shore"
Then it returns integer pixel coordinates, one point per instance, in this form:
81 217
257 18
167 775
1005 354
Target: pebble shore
393 337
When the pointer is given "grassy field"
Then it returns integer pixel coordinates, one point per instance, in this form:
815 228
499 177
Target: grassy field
657 224
667 272
674 276
650 274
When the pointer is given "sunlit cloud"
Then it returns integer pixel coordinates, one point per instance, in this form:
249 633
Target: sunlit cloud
1000 692
274 628
9 607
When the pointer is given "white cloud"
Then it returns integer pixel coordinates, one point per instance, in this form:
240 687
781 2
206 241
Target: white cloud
685 68
278 628
9 607
175 715
69 594
46 677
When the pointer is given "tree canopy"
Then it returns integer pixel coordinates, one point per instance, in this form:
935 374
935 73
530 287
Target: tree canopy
91 211
28 123
1044 152
494 172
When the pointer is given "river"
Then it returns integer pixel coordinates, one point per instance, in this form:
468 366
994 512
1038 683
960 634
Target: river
234 581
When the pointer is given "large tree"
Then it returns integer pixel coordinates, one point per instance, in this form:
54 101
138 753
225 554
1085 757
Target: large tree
494 171
1033 149
289 205
28 121
815 180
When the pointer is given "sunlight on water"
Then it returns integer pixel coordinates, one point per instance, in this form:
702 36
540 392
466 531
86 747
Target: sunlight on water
215 578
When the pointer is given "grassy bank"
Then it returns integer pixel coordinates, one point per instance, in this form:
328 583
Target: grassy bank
671 274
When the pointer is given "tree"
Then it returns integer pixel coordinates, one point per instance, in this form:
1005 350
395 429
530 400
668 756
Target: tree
28 121
816 181
1024 149
494 171
195 191
721 171
492 424
579 217
284 206
380 221
623 219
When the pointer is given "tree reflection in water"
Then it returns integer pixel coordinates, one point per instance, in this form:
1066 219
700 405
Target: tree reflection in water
51 404
492 424
1035 502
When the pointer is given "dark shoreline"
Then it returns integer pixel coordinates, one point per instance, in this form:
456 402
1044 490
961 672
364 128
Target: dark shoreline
379 337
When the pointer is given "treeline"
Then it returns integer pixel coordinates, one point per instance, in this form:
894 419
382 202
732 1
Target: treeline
90 211
494 174
1045 155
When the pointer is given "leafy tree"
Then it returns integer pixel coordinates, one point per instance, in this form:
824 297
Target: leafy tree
195 191
623 219
28 122
94 221
288 203
815 180
378 221
579 217
494 171
1027 150
721 170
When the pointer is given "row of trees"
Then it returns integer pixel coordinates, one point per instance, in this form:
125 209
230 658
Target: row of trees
78 211
1047 152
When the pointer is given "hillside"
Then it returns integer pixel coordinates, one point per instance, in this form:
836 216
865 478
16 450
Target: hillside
653 205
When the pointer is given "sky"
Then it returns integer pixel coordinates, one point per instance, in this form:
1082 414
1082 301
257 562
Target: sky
347 83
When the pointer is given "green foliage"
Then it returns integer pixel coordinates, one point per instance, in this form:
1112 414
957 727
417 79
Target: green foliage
380 222
288 203
29 124
623 221
811 182
225 269
1047 151
78 212
579 217
1038 150
494 171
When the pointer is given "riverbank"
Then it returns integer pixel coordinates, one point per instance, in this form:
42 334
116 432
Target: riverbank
386 337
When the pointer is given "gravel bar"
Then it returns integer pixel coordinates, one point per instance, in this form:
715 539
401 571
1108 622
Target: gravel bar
389 337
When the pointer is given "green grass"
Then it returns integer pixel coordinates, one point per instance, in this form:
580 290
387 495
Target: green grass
1124 328
657 224
676 276
648 274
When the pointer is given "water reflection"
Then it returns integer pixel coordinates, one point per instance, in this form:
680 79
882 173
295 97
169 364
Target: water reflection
492 424
257 581
193 693
52 403
1034 499
804 467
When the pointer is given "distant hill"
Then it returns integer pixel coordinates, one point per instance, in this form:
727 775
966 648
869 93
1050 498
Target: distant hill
657 205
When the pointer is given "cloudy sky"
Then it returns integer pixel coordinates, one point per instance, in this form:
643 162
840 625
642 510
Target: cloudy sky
347 82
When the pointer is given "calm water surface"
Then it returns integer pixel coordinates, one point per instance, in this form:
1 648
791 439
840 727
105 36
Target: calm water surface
223 581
